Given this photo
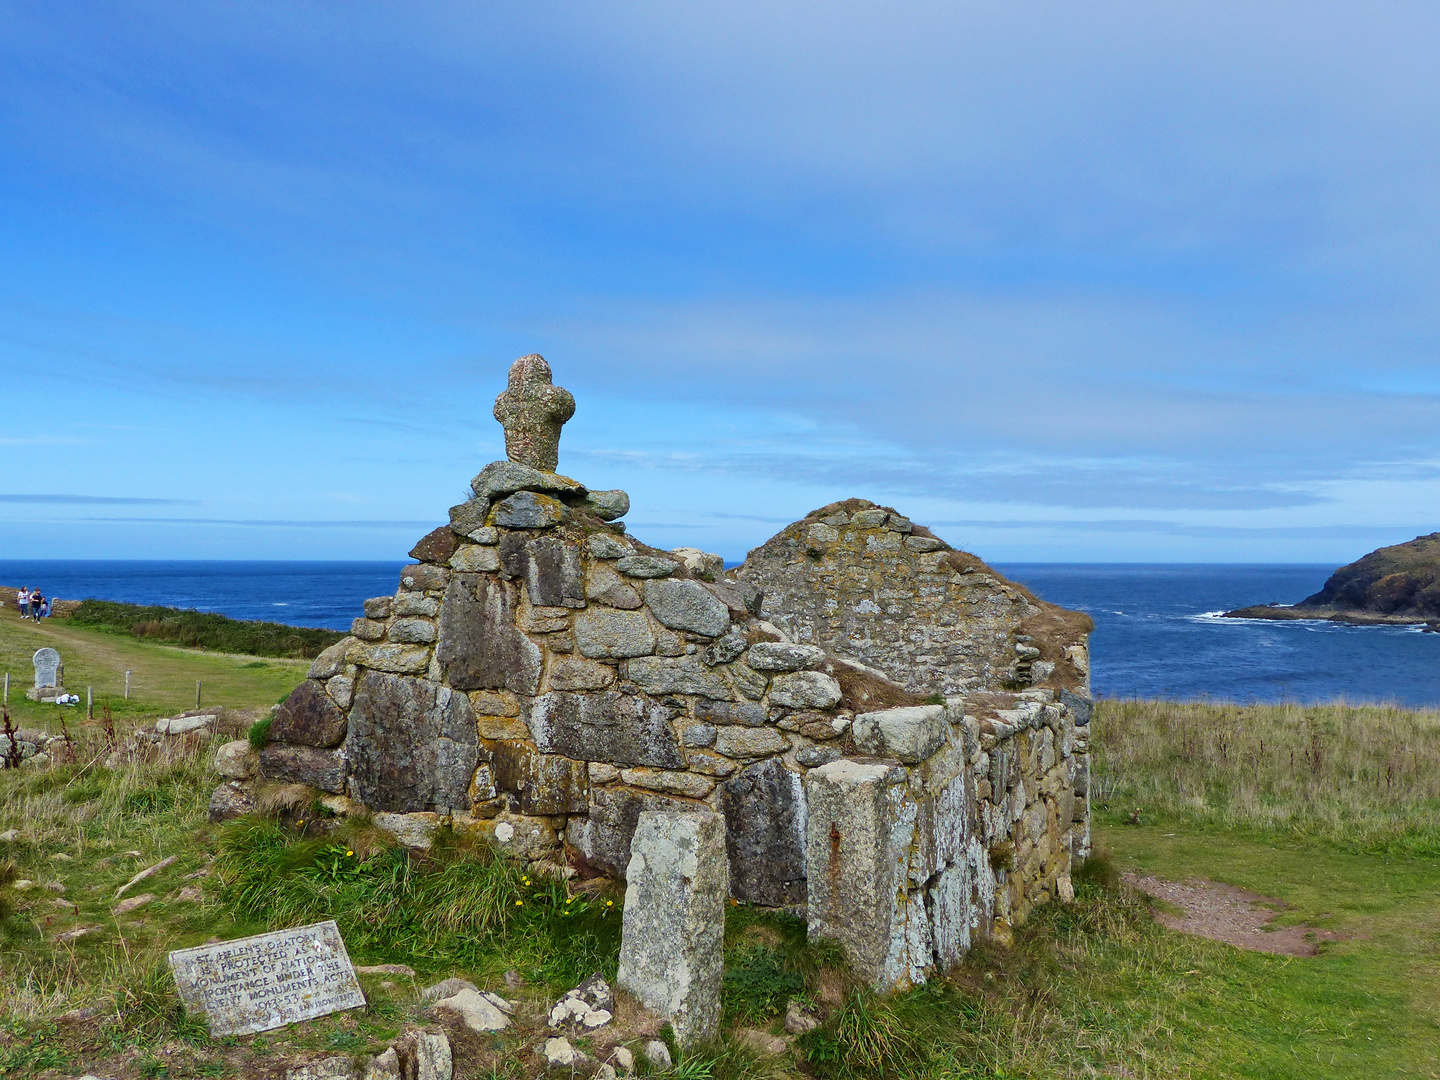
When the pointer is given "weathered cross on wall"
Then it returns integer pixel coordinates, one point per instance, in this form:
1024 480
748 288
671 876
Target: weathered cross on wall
532 410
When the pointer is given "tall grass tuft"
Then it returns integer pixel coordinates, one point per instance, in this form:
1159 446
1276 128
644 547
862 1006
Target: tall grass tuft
1360 777
458 904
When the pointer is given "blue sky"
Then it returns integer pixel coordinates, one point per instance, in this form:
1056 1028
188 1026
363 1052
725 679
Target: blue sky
1129 282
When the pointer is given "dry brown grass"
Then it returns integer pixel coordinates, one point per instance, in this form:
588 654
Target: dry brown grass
1365 776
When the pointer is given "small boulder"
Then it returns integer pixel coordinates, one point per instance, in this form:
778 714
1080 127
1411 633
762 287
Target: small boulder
479 1011
658 1054
130 903
590 1005
230 801
446 988
798 1021
236 760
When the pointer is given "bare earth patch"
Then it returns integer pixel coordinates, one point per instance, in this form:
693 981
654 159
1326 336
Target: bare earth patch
1229 914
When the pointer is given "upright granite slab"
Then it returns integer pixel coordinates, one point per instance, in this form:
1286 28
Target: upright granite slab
672 951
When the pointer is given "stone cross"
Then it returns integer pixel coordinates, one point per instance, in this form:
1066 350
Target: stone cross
532 410
47 667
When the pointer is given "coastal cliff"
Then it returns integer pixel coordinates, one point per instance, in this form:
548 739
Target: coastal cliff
1397 584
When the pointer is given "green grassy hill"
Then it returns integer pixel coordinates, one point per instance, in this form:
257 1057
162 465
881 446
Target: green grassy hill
1331 811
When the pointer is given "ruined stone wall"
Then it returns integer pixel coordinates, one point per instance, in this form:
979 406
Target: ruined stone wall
946 823
863 581
1030 763
541 678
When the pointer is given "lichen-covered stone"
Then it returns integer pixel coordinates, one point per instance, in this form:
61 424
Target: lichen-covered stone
669 781
812 757
601 841
341 689
857 839
236 760
469 516
646 566
479 647
764 808
308 717
413 631
501 478
911 734
475 559
678 675
542 783
606 505
672 948
929 618
367 629
331 661
378 607
610 634
804 690
412 744
784 656
310 765
550 567
435 546
577 673
605 585
422 577
397 659
724 650
229 801
527 510
411 603
604 546
606 726
748 742
682 604
532 410
698 735
730 712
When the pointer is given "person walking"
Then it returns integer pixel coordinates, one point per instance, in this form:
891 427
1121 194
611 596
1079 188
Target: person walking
37 604
23 599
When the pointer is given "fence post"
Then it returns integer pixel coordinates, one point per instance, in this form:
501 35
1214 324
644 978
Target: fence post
127 686
89 703
197 693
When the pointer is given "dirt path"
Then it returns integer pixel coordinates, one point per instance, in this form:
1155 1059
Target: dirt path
1226 913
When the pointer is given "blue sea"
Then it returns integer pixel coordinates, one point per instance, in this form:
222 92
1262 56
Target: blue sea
1157 633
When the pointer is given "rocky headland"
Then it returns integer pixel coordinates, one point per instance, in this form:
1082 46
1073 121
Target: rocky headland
1397 584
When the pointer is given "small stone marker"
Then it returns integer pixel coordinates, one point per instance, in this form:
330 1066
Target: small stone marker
674 926
267 981
47 667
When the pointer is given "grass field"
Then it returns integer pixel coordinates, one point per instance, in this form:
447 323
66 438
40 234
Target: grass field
1095 988
162 679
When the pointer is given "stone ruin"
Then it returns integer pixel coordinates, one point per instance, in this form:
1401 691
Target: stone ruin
893 734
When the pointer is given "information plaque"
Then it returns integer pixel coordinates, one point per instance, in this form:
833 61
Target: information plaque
267 981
